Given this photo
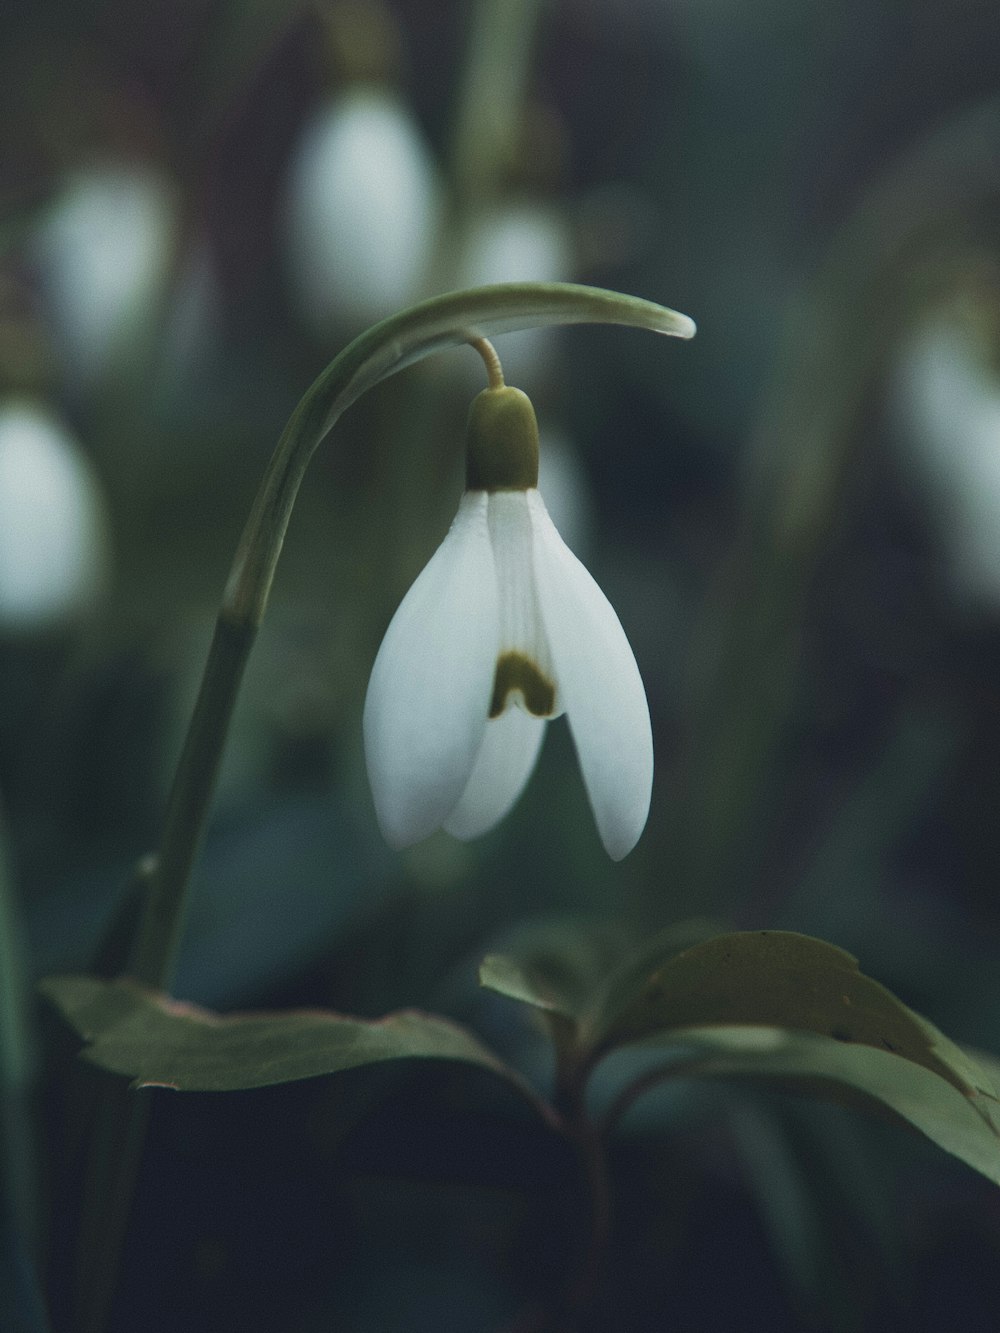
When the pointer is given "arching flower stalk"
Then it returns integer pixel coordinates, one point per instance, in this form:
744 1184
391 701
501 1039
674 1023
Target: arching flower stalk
431 326
503 630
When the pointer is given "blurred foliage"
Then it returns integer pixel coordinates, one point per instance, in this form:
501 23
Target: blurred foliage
814 184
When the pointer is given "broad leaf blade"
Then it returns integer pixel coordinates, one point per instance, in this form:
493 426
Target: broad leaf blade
624 987
781 1006
779 979
966 1124
556 964
156 1041
505 975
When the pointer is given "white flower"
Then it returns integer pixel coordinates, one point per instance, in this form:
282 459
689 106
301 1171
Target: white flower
53 540
361 211
103 251
946 402
503 630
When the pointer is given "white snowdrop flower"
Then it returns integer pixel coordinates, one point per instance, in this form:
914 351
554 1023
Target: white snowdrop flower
103 252
947 405
519 241
53 543
362 209
503 630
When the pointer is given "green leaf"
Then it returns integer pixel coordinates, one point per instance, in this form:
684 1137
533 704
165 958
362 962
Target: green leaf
556 964
623 990
691 975
586 971
769 1005
781 979
964 1123
159 1042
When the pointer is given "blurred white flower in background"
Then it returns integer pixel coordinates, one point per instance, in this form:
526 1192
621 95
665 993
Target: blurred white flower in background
563 480
946 404
103 252
523 240
362 210
53 530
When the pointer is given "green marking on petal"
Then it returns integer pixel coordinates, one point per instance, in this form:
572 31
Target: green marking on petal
517 673
502 442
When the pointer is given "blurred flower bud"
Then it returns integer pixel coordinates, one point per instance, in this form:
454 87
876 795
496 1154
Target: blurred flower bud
53 531
103 252
946 404
362 209
522 240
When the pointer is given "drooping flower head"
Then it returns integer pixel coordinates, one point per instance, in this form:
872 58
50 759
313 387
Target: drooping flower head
503 630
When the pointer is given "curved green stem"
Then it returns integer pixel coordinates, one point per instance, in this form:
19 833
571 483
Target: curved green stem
593 1154
19 1218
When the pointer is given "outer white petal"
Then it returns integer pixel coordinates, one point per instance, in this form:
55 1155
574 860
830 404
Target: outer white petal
428 697
505 762
599 686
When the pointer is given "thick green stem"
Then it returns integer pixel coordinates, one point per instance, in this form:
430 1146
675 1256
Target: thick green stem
18 1185
115 1154
163 917
593 1155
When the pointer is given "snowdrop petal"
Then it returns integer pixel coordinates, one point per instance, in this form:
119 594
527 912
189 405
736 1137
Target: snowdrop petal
599 687
504 764
428 697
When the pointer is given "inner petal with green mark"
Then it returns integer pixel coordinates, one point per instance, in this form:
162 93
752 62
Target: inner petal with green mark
519 680
524 672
